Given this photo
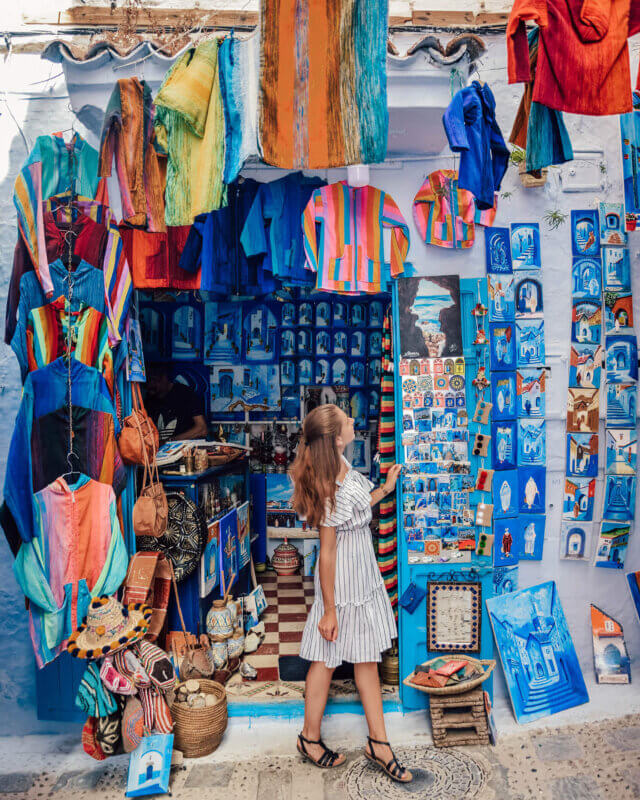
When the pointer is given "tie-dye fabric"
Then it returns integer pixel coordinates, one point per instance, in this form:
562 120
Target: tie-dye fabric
323 83
343 238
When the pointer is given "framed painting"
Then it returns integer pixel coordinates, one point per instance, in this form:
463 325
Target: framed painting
430 322
525 245
583 410
454 615
259 331
528 294
585 232
586 278
530 350
579 498
539 660
585 366
611 549
209 569
287 342
586 322
228 549
610 656
582 455
186 333
622 451
340 313
501 292
222 333
256 385
618 312
531 392
502 347
612 231
532 442
622 403
621 358
323 314
497 247
503 395
531 536
576 540
616 269
619 497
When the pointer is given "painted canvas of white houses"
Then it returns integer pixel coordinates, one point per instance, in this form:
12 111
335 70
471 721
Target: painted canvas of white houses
539 660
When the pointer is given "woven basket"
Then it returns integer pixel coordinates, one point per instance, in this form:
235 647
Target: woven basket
198 731
486 666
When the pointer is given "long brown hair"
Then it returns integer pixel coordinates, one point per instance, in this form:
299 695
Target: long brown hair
317 464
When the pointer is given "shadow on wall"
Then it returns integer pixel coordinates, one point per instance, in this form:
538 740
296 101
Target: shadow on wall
17 664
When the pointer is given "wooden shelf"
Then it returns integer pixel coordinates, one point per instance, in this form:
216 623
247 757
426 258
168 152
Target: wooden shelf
291 533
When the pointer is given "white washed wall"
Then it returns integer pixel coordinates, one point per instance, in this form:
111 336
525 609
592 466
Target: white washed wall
42 108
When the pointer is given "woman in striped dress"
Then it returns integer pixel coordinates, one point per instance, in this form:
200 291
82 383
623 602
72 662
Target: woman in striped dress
351 618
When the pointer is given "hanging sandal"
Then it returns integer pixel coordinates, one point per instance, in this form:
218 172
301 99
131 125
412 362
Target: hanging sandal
392 767
327 759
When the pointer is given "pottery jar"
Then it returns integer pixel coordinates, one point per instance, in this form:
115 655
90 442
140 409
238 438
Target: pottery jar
219 621
286 559
235 645
219 654
233 610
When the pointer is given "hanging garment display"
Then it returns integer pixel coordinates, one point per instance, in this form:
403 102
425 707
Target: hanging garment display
472 130
272 227
154 258
189 124
348 251
238 67
127 135
445 214
583 61
539 130
322 94
77 552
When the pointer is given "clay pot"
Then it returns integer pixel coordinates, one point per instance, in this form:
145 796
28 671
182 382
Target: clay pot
219 654
286 559
219 622
232 605
235 645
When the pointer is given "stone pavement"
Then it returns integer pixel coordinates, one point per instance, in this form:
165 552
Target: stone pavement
589 761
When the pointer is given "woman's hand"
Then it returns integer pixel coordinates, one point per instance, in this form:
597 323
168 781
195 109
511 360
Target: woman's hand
392 476
328 625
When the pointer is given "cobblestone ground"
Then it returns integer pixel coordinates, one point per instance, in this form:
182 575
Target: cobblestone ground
591 761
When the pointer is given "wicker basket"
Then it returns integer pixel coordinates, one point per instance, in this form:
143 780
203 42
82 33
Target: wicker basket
198 731
486 666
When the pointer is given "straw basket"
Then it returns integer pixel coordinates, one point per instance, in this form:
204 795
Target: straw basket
198 731
486 665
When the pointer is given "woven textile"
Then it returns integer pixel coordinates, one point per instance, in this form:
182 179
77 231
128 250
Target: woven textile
323 83
387 545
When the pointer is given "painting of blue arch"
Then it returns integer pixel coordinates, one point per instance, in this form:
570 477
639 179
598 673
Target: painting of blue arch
619 497
532 448
586 279
525 245
621 355
585 232
539 660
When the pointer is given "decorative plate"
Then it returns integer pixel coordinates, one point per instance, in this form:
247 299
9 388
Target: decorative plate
456 382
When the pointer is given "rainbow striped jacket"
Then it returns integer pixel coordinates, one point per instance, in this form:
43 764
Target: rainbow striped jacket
343 239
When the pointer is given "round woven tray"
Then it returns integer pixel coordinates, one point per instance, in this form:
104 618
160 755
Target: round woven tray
486 665
198 731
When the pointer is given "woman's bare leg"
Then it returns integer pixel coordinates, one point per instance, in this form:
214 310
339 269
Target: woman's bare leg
368 683
315 700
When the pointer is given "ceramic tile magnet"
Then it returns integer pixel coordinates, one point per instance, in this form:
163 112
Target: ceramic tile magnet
482 412
484 514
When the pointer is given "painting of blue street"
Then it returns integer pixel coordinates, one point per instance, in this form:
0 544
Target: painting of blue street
539 660
525 245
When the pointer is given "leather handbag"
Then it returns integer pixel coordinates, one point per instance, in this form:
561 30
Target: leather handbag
139 436
148 581
151 510
191 654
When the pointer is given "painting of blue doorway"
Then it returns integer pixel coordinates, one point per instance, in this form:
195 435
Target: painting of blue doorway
539 660
612 224
586 322
506 542
530 351
531 392
586 279
532 489
525 245
503 395
497 248
576 540
619 497
616 269
532 447
579 499
531 536
528 293
612 545
504 447
505 494
503 346
622 404
621 355
505 580
622 451
582 455
585 232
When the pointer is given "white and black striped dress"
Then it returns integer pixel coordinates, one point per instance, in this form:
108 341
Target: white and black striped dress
366 625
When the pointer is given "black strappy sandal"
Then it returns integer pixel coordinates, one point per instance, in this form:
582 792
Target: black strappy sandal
393 769
327 759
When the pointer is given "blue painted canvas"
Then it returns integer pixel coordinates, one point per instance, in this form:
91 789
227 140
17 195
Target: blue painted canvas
255 385
323 314
528 294
538 658
586 322
186 333
579 497
619 497
228 548
616 269
530 351
525 245
259 334
505 580
506 544
532 489
586 278
323 372
497 248
622 451
505 494
622 404
611 549
287 342
612 224
585 232
503 395
633 581
531 536
504 444
585 366
531 392
500 289
340 312
576 540
502 347
153 327
222 333
618 312
304 341
150 766
621 356
582 455
305 373
323 343
532 447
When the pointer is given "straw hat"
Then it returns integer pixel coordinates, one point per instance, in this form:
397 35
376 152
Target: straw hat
109 627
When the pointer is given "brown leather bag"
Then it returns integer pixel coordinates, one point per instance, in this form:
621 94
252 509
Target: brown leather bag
148 581
139 435
151 510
